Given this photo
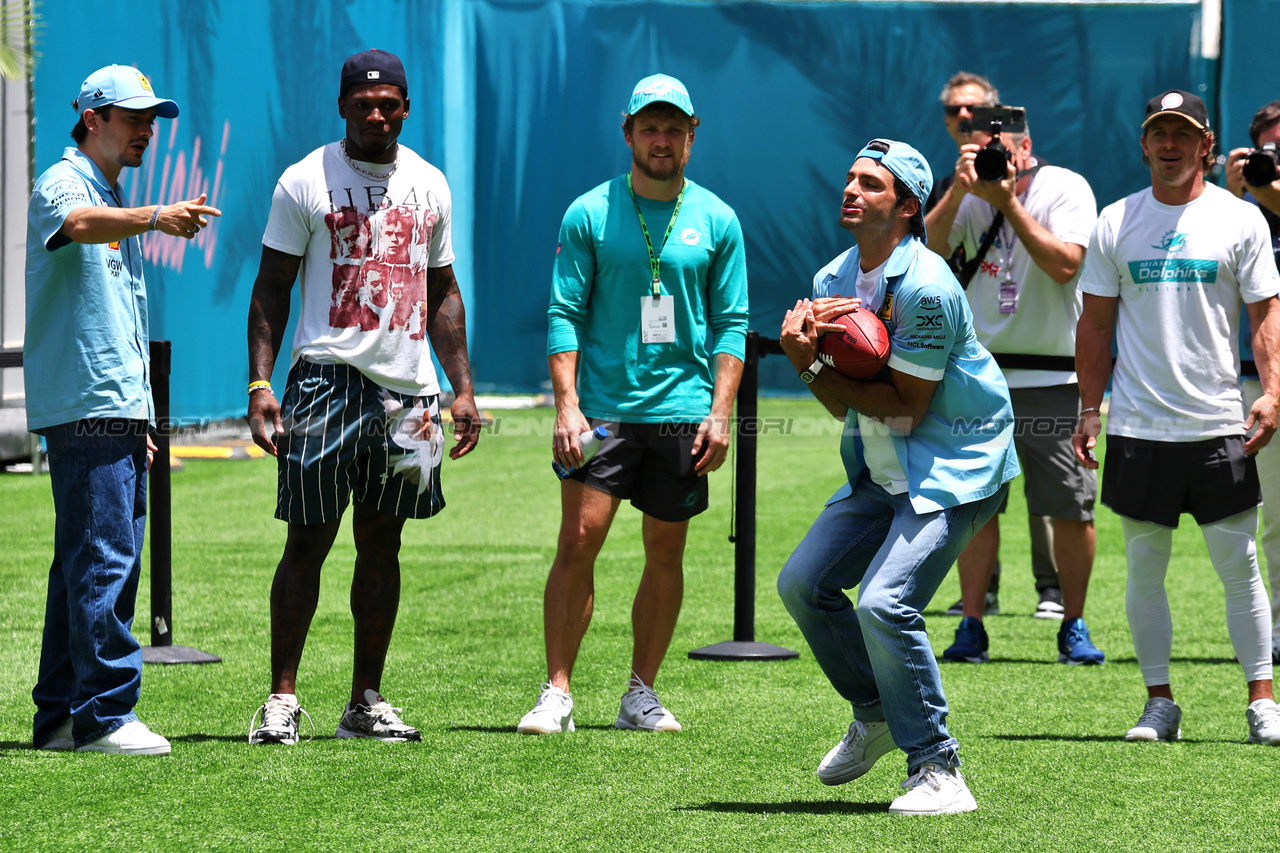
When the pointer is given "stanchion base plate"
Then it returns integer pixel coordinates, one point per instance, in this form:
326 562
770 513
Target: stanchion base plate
735 650
176 654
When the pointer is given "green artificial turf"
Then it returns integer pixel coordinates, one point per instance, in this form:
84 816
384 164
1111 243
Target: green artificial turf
1042 743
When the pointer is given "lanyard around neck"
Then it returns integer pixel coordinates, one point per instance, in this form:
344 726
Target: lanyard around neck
655 261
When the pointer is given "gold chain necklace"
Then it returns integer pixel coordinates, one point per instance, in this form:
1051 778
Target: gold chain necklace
373 176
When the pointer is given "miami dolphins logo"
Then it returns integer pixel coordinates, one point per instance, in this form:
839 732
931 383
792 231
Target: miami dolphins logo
1172 241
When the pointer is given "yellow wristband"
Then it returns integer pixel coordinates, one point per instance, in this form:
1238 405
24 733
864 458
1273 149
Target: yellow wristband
259 383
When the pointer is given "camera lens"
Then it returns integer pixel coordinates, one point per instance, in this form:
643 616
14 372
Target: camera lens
1260 167
991 163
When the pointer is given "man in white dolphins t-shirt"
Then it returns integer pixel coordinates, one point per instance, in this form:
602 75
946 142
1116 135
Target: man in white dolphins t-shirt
1168 269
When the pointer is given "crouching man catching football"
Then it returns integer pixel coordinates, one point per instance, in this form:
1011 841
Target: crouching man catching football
929 454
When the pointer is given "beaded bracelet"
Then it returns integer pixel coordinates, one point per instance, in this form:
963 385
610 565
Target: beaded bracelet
259 384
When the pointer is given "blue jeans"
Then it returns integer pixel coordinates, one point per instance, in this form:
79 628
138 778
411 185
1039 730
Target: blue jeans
877 654
90 663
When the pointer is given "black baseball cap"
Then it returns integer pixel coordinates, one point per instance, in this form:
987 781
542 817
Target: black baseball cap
1177 102
371 68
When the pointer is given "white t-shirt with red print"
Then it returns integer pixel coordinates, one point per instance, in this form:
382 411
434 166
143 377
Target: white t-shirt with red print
365 246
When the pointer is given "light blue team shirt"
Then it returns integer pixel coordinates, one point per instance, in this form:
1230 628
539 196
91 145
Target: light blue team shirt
962 451
86 352
602 272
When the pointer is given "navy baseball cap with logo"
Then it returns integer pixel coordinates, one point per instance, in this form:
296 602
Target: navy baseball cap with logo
1179 103
123 86
373 68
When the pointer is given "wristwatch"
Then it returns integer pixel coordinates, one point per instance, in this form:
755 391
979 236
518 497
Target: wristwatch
811 372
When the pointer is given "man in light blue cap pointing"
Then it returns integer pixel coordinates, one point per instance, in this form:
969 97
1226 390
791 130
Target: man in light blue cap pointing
86 367
928 448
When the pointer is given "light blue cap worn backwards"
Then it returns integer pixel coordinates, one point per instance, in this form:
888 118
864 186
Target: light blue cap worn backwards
660 87
125 86
905 162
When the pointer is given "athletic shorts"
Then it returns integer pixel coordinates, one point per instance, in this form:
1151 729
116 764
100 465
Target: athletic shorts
338 443
650 465
1055 482
1157 481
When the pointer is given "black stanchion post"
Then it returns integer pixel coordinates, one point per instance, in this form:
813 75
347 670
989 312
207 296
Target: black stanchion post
743 645
160 520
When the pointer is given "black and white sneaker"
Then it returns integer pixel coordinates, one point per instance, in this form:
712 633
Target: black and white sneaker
280 716
376 720
1050 606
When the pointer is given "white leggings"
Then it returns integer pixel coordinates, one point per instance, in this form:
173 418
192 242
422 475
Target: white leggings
1235 557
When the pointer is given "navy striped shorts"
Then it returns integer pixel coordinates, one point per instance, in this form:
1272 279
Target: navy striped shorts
338 441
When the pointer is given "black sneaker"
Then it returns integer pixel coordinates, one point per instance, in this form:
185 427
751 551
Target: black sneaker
991 607
1050 606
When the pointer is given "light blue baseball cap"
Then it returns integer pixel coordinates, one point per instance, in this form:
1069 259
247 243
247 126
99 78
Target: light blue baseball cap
660 87
905 162
124 86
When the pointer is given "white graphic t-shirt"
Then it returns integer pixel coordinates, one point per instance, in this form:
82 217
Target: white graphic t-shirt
1018 307
1181 273
365 246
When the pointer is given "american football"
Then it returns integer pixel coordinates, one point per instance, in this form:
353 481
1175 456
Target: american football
861 350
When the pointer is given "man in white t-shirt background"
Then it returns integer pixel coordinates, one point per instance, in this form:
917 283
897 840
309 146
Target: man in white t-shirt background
1168 270
1025 307
1264 129
365 224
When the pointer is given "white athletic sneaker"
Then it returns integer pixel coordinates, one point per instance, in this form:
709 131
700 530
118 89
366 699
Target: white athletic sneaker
551 714
642 710
376 720
934 790
133 738
1159 721
856 752
1264 722
62 740
280 719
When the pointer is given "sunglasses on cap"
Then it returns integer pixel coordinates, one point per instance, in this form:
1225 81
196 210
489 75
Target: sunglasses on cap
953 110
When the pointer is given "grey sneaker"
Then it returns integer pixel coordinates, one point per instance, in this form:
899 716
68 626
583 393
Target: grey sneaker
856 752
990 606
934 790
62 739
280 718
551 714
1050 606
1264 722
1159 721
376 720
642 710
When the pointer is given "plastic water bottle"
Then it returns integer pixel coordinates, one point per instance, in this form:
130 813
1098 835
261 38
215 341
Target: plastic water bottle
590 442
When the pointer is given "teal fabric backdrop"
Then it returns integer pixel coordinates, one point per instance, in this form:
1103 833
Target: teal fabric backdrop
519 101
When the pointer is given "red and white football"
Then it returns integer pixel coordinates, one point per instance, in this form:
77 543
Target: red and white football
861 350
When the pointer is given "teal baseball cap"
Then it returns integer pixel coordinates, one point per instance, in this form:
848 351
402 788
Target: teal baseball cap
123 86
905 162
660 87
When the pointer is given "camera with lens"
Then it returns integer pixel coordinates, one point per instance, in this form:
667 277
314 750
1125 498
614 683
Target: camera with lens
1262 165
992 161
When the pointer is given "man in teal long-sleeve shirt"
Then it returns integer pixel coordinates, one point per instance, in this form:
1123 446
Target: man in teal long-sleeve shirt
649 290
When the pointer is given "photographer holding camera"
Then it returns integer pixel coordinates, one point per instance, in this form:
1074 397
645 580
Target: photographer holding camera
1024 227
963 93
1252 175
